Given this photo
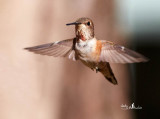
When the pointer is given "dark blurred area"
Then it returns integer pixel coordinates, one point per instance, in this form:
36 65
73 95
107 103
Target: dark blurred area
147 79
42 87
142 21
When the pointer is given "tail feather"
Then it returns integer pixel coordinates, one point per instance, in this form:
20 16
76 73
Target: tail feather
112 80
108 73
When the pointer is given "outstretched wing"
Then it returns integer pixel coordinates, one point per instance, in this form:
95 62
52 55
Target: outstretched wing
115 53
57 49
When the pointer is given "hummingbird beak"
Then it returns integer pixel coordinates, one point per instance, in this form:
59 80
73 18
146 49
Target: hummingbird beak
74 23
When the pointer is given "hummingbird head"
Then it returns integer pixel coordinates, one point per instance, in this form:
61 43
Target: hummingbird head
84 28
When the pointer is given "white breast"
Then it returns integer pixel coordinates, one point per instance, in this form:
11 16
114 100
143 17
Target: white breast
86 48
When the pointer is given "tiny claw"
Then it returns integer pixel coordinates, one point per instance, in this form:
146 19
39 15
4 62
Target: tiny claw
97 69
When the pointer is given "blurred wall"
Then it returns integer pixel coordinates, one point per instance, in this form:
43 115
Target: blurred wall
41 87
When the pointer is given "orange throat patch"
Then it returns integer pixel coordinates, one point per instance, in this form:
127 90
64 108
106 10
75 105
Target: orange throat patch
82 37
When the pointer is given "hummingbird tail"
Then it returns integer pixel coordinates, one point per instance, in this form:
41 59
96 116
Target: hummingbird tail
112 79
108 74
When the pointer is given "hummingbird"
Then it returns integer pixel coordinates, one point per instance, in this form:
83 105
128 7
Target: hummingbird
92 52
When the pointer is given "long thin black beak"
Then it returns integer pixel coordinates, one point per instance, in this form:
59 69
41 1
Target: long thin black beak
74 23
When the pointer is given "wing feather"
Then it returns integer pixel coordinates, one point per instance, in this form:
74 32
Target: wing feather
115 53
57 49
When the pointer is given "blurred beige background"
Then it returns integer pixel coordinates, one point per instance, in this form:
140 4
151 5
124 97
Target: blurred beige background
41 87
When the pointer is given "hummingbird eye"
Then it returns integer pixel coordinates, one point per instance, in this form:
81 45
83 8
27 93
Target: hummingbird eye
88 23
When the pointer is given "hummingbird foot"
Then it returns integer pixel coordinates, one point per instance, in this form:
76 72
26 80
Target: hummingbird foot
97 69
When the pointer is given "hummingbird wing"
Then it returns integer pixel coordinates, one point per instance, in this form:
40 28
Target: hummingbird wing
57 49
115 53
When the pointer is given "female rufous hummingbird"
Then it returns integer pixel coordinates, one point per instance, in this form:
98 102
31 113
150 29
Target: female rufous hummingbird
92 52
